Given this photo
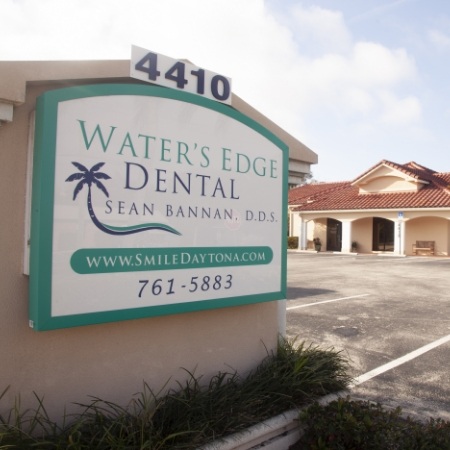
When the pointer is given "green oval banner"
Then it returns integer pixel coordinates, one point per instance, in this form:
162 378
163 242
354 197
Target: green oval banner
110 260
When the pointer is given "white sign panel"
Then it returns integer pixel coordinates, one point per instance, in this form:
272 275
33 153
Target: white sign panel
147 202
172 73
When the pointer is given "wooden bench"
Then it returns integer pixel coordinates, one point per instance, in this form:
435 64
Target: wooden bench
423 246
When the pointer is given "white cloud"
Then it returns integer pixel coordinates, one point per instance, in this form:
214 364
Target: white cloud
347 84
439 39
399 111
321 28
359 100
296 68
374 65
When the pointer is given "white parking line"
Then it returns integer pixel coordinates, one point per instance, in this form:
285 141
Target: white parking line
397 362
326 301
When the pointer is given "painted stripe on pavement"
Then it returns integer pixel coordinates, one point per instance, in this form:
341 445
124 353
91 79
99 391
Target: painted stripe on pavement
326 301
399 361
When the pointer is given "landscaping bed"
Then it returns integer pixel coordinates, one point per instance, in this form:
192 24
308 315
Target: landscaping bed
194 414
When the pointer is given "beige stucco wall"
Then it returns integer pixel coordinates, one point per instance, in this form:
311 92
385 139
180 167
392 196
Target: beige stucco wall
294 224
362 234
319 230
428 229
389 184
315 229
448 240
110 361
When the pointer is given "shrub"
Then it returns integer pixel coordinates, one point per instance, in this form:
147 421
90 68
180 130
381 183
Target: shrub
292 242
347 425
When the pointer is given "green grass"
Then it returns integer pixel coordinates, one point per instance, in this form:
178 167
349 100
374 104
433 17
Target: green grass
353 425
193 414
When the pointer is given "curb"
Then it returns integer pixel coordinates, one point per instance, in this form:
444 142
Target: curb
276 433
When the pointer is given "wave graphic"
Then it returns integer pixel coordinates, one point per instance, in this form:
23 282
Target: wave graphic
132 229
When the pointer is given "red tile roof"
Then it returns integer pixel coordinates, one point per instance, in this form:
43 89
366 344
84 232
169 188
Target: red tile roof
345 195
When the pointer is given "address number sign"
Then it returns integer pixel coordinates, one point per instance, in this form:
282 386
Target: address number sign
165 71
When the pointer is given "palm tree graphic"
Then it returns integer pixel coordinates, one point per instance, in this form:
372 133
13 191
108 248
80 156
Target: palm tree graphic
91 177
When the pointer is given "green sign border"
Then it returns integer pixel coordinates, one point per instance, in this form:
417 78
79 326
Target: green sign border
41 251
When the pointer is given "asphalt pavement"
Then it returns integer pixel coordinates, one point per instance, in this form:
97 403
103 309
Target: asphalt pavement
390 316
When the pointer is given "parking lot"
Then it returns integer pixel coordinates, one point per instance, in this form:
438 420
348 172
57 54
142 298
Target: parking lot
389 315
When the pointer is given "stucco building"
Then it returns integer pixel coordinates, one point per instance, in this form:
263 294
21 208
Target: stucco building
387 209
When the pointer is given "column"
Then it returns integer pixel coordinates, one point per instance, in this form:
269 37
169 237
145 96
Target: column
303 238
346 244
399 237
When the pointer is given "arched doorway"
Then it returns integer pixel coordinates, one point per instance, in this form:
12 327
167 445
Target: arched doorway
383 235
334 235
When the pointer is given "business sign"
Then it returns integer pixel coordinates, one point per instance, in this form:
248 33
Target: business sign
162 70
149 201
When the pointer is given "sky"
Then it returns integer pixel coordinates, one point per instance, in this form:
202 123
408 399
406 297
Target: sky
356 81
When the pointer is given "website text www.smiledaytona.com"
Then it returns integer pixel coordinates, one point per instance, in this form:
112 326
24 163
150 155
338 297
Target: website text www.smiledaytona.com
125 260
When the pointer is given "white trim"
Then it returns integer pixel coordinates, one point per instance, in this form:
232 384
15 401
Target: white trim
6 112
392 210
366 177
28 189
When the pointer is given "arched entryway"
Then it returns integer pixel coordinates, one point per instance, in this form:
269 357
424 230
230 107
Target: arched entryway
334 235
383 235
428 228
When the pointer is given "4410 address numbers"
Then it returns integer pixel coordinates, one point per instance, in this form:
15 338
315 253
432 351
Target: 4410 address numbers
165 71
